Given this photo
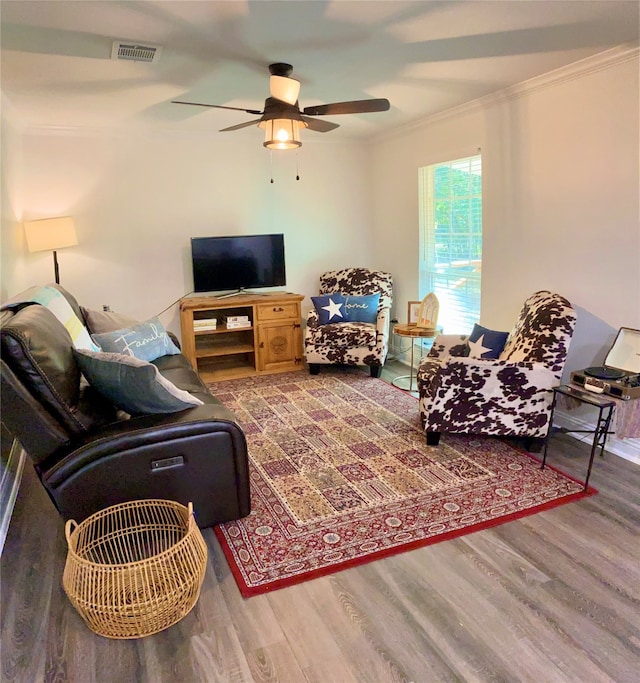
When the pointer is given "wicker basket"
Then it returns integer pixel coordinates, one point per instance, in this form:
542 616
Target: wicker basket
136 568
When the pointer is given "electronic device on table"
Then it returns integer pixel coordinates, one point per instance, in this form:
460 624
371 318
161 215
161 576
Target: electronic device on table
620 375
238 262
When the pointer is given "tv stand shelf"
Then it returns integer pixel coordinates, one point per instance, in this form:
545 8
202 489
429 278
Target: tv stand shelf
271 343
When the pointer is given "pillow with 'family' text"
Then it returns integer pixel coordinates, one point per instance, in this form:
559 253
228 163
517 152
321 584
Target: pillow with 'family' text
484 343
146 341
361 309
330 308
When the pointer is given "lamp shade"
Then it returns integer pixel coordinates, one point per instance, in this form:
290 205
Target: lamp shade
282 133
50 234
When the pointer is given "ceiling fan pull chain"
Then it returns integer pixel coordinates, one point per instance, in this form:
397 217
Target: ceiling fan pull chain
297 165
271 164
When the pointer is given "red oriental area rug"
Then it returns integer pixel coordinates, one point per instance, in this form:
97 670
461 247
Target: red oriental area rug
341 475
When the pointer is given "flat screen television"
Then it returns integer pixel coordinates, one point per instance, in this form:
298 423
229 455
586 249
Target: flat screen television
238 262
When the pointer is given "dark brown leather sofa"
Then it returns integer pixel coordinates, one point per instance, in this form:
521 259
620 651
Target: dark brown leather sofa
88 455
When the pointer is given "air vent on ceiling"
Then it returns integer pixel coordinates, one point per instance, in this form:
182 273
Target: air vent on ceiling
135 52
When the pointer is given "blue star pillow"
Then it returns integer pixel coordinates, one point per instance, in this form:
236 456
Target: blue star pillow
484 343
330 308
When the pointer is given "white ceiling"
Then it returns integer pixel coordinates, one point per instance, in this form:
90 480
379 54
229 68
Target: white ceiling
424 56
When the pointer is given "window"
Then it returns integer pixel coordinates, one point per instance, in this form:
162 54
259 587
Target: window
451 240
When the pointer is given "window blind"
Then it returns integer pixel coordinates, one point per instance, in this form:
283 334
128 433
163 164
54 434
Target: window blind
451 240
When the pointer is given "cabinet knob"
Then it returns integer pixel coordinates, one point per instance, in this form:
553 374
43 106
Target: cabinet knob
261 345
279 309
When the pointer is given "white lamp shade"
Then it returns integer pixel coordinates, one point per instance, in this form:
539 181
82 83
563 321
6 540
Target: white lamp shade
282 133
50 234
284 88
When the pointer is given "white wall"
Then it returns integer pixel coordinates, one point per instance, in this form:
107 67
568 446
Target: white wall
560 174
560 200
560 162
12 265
137 198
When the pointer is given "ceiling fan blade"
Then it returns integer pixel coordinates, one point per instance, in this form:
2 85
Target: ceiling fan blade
319 125
355 107
217 106
238 126
284 89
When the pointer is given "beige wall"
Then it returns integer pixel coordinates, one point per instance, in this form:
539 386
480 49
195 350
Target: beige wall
561 205
560 198
137 198
12 252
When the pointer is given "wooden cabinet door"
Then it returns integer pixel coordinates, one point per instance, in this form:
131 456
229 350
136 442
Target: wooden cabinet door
279 346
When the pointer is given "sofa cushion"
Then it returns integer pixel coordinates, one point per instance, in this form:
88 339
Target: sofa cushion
99 322
485 343
133 385
178 371
145 341
345 335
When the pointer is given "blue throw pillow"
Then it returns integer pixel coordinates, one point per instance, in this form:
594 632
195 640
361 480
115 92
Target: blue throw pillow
330 308
484 343
146 341
133 385
362 309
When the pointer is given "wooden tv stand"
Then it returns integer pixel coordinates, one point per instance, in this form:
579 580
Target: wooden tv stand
272 342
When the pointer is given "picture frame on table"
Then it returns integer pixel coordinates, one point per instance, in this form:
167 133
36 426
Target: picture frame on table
413 312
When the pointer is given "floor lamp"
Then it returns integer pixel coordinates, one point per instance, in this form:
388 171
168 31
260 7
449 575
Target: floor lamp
51 234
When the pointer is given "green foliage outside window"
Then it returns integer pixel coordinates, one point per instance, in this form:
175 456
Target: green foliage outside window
451 239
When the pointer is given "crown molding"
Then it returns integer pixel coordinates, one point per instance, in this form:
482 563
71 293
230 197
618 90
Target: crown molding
603 60
583 67
154 130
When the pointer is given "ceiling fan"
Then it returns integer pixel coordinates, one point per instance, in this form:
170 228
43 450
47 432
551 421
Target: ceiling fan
282 118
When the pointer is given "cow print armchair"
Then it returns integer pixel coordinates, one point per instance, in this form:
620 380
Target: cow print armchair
339 341
510 395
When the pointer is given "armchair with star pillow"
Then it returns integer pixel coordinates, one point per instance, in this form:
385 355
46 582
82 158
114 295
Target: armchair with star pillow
349 321
498 383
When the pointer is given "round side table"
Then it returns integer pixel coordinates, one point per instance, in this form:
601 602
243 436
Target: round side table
406 382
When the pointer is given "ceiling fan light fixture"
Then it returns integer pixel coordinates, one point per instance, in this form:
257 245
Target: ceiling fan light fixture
282 133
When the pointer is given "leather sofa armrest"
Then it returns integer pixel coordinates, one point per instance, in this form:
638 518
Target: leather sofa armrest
141 431
197 456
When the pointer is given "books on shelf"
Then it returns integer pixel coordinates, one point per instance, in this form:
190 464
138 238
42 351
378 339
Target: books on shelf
236 321
205 324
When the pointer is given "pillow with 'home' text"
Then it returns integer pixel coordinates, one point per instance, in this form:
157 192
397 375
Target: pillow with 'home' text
361 309
146 341
485 343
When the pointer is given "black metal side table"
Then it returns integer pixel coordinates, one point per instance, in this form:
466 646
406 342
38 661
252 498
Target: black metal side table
604 404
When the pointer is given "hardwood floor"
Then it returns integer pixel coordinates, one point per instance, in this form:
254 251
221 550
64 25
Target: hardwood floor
550 598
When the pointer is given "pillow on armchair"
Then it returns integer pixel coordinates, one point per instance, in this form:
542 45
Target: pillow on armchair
341 308
330 308
362 309
485 343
